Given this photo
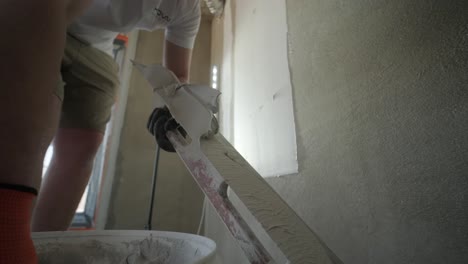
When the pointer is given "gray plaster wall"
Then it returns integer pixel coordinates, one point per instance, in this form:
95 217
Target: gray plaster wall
380 90
178 201
381 103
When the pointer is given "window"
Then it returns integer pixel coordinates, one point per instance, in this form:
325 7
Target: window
214 77
256 113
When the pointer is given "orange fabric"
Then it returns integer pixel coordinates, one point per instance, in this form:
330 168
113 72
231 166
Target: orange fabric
16 245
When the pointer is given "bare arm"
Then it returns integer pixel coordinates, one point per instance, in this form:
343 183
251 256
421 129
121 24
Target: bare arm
178 59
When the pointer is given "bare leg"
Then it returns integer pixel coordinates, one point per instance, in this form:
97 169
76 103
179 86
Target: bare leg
28 78
69 172
29 71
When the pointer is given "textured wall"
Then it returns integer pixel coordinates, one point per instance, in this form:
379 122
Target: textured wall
178 200
381 105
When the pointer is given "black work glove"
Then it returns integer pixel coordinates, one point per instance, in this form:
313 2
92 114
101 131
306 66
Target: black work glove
161 121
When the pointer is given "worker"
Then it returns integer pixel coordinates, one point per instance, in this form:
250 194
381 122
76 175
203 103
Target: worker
33 39
91 79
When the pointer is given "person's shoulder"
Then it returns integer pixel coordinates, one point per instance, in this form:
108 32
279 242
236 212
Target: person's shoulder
187 12
183 29
188 3
188 7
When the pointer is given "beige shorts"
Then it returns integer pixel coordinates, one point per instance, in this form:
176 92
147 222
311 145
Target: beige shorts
89 86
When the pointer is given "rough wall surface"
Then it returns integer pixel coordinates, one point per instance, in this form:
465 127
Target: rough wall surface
178 199
381 105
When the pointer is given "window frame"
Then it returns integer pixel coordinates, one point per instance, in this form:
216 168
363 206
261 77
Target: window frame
86 219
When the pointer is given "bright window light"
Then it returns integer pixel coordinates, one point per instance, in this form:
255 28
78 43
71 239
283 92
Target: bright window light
45 166
47 159
214 77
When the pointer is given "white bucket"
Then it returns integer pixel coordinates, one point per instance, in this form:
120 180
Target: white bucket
122 247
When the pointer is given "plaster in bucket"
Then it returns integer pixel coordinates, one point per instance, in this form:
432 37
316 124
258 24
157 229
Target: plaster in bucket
122 247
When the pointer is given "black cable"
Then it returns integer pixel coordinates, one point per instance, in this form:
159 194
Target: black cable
153 189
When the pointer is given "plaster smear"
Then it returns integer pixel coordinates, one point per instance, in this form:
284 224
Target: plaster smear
147 251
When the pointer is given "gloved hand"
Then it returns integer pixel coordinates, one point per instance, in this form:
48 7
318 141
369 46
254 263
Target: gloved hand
161 121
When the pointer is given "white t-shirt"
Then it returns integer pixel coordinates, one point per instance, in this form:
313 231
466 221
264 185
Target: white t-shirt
106 18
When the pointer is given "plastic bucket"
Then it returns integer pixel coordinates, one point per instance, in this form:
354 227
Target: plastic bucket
122 247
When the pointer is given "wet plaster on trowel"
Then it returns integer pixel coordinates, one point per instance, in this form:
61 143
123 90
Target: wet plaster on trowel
192 106
290 234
